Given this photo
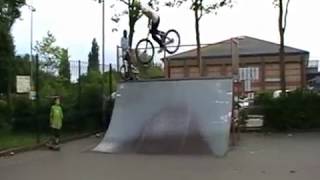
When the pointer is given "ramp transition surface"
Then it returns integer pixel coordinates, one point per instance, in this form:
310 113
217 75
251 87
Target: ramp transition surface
170 117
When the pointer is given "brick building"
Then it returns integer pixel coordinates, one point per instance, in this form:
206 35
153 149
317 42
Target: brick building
256 53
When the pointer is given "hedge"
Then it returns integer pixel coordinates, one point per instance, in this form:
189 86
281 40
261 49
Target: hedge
297 110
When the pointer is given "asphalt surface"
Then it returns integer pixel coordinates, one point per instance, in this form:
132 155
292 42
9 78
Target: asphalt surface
276 156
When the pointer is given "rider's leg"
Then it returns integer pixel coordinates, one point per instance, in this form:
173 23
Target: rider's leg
130 66
56 134
155 32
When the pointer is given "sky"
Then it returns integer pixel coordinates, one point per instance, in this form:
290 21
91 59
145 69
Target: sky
75 23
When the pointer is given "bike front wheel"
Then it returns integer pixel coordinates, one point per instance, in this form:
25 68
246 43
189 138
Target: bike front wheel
144 51
172 41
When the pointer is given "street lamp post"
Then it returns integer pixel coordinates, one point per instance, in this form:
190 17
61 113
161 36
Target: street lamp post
103 93
32 10
103 16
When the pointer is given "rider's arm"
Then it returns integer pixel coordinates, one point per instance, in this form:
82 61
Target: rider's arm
149 23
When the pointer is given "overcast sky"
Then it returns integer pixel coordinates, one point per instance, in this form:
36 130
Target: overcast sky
76 22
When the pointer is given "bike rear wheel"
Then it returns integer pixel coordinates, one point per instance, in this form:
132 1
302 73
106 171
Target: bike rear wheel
172 41
144 51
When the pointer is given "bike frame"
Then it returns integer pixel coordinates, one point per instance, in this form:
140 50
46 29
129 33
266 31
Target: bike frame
161 34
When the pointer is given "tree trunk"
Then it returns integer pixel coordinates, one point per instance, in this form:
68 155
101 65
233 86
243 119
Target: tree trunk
282 64
281 50
131 31
132 22
199 58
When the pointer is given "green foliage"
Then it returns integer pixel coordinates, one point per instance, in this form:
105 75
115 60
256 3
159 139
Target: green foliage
203 7
21 65
93 57
64 67
48 53
4 112
23 114
9 12
6 56
14 139
91 105
297 110
150 72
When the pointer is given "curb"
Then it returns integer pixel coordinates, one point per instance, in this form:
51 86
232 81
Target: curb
13 151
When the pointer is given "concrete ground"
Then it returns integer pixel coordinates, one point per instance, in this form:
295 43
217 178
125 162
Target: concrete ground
276 156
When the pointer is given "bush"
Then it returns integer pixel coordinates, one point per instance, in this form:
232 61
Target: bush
297 110
4 113
23 118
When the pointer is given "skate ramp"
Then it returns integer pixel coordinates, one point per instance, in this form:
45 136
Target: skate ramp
170 117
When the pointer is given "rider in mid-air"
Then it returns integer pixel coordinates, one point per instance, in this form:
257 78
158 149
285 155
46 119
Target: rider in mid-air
154 20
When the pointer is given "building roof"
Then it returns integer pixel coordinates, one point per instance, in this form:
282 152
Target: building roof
248 46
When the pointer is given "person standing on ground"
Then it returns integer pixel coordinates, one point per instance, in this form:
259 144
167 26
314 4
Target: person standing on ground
56 120
126 56
125 45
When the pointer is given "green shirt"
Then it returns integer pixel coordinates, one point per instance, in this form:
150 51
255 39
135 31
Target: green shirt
56 116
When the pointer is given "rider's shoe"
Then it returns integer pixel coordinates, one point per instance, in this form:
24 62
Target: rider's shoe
135 71
160 50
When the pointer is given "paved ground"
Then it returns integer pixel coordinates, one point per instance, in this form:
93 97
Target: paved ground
276 156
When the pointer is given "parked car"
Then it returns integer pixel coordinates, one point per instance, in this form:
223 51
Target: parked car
277 93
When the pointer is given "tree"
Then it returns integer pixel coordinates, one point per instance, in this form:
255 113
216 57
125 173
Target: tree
21 65
282 23
64 66
9 12
48 53
6 56
200 8
93 57
155 70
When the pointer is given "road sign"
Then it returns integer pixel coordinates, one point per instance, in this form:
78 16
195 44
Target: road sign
23 84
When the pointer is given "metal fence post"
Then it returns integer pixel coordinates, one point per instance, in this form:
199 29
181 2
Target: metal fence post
110 80
103 110
37 100
79 85
118 59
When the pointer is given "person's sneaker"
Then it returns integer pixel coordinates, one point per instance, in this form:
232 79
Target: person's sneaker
135 70
57 141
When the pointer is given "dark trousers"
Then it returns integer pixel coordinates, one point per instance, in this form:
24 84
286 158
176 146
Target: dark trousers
55 136
155 32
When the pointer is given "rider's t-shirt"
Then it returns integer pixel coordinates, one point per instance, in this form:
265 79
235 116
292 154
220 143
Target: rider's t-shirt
124 45
147 11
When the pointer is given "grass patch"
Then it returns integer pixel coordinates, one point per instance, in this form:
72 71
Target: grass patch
9 139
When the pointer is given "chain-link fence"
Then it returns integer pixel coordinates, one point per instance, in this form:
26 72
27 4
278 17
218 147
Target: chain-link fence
85 97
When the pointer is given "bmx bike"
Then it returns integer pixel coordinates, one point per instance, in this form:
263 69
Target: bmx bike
127 70
145 49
